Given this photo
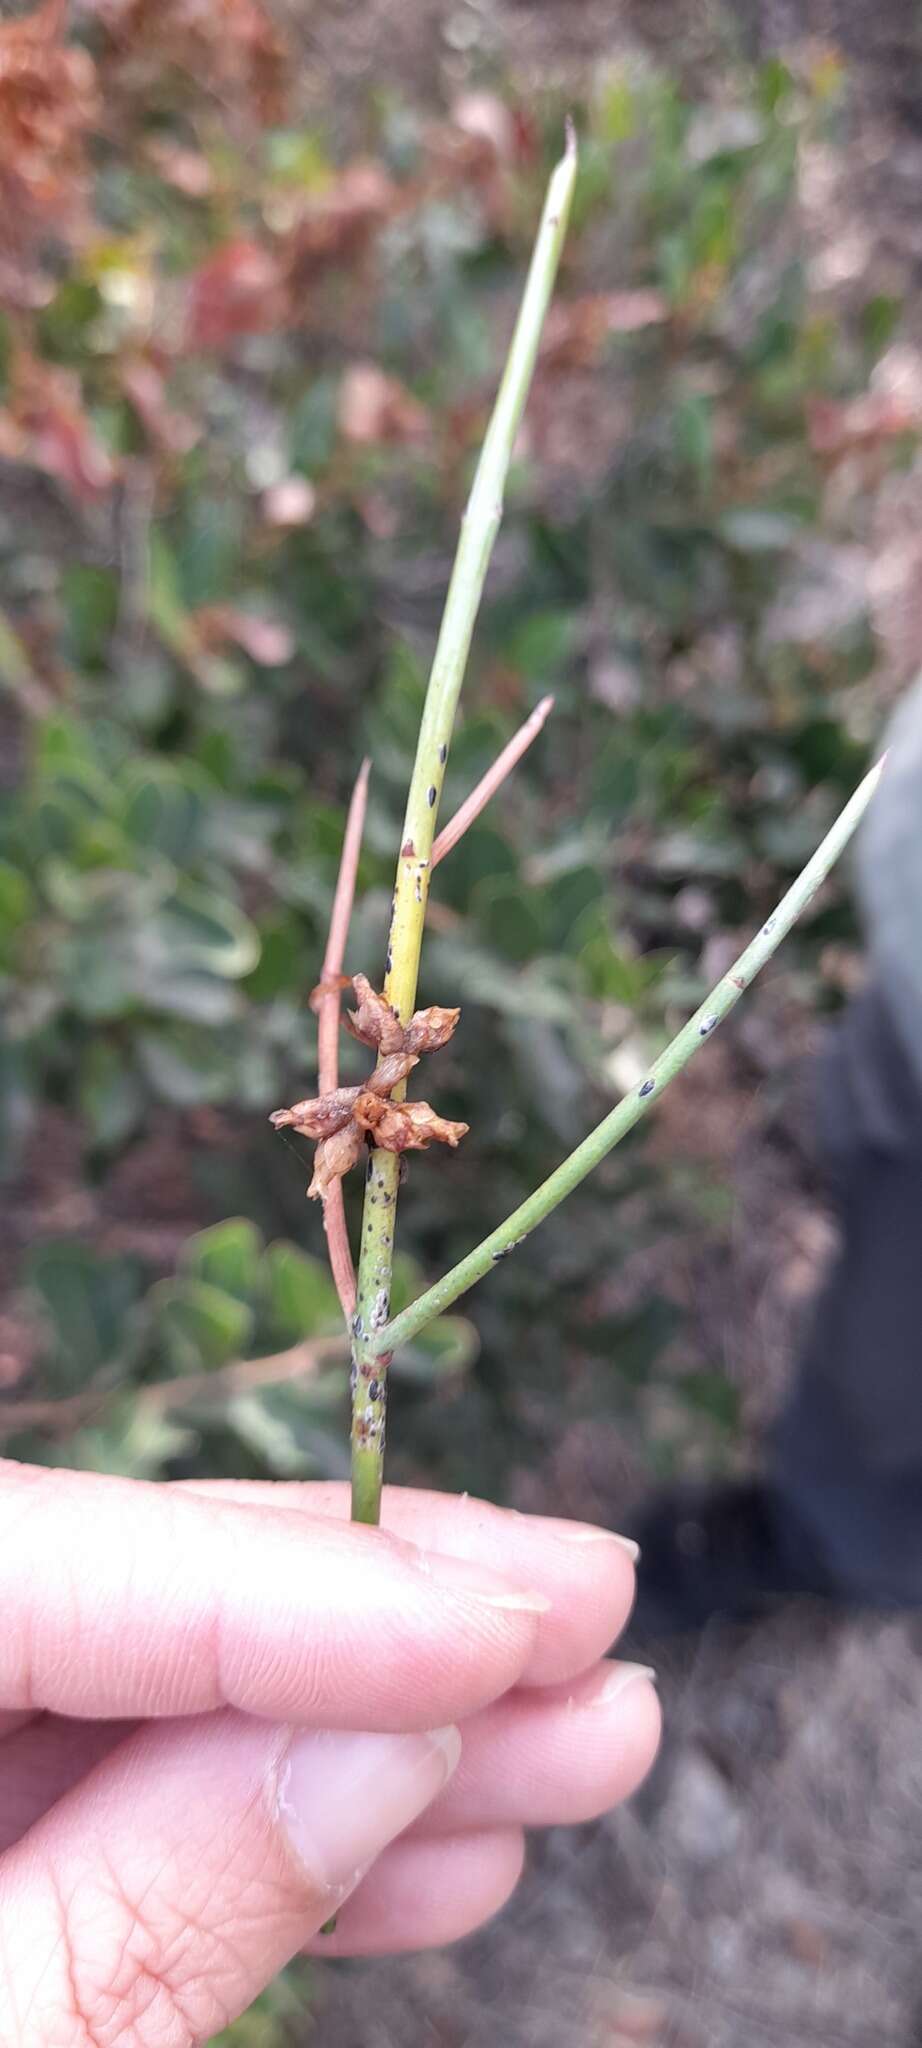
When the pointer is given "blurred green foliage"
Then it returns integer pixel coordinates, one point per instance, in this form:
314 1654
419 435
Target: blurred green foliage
239 408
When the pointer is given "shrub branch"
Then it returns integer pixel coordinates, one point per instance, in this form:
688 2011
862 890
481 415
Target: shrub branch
632 1107
479 527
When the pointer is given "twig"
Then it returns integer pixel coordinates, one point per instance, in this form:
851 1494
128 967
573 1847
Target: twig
479 528
239 1376
490 782
334 1213
632 1107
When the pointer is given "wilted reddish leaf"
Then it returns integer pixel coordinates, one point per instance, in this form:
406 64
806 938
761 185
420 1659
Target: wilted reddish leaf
231 47
238 290
405 1126
835 428
48 101
334 1157
575 333
45 425
144 386
339 223
374 1022
429 1029
374 408
266 641
318 1117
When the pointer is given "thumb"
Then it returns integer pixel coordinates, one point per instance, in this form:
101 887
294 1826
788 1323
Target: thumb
160 1895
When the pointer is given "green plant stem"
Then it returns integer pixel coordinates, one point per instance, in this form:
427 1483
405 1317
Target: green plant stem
632 1107
479 527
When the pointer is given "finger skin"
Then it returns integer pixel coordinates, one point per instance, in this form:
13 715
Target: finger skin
120 1911
155 1900
551 1758
43 1760
425 1894
587 1573
124 1599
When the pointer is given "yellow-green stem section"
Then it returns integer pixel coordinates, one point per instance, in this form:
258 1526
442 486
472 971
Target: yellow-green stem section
479 528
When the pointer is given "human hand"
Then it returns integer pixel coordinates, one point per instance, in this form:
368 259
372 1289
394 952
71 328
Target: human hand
214 1713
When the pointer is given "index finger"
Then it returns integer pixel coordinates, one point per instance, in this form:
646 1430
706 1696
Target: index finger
125 1599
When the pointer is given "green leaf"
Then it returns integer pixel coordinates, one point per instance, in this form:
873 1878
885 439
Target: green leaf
509 918
109 1093
301 1298
198 929
89 1302
198 1326
228 1256
16 906
136 1441
164 806
290 1427
90 596
185 1066
446 1349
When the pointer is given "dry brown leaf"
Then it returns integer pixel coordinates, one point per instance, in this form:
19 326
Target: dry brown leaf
375 408
231 47
430 1029
320 1116
405 1126
267 641
339 223
46 425
186 169
334 1157
374 1022
144 386
835 428
575 333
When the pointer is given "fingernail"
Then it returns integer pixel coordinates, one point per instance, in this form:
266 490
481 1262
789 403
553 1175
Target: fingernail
583 1532
477 1582
341 1797
617 1681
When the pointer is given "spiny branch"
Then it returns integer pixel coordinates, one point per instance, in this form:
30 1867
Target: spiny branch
334 1214
491 782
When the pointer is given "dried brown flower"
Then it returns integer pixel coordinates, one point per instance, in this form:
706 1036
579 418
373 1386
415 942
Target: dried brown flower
374 1022
428 1030
340 1119
335 1156
394 1067
405 1126
319 1117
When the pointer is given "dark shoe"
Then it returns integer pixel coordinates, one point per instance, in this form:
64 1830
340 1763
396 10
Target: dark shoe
717 1551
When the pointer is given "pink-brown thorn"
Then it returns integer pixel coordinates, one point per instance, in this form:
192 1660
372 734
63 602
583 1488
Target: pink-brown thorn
491 781
334 1213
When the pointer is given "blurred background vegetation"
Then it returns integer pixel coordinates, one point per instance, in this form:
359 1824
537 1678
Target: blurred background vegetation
248 343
